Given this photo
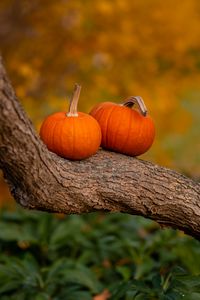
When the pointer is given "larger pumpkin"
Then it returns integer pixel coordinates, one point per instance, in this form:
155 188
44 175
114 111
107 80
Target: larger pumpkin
74 135
124 129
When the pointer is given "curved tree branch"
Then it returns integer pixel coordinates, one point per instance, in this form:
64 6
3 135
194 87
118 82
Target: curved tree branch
39 179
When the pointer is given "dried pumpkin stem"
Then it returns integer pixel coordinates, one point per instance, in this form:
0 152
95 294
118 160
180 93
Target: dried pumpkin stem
72 112
136 100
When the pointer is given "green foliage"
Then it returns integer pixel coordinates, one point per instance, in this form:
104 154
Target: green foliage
77 257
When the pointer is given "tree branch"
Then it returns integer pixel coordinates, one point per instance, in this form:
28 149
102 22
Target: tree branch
39 179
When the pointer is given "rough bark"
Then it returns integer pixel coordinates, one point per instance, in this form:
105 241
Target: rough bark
39 179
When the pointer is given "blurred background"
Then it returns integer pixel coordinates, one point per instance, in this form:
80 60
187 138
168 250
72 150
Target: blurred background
114 49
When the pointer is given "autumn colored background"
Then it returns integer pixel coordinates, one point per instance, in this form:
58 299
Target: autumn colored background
114 49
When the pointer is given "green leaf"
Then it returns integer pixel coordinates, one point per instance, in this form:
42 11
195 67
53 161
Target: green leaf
119 290
124 271
14 232
83 276
9 286
42 296
83 295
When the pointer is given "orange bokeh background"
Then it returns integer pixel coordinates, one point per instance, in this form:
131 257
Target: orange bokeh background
114 49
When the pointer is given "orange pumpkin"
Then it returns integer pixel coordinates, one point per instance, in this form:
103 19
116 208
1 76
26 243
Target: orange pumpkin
73 135
124 129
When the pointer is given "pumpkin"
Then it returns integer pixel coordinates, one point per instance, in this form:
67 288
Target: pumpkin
125 130
73 135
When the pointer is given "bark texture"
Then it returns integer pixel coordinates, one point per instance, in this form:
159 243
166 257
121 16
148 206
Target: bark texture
41 180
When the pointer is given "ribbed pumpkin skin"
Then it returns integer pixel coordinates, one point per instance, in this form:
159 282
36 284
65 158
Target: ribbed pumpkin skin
124 129
73 137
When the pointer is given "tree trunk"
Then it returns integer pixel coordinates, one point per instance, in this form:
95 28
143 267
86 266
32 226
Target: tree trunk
41 180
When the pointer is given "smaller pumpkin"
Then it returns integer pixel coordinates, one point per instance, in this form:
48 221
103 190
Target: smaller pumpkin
124 129
73 135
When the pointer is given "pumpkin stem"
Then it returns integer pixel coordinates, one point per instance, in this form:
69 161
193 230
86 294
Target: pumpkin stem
72 112
136 100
